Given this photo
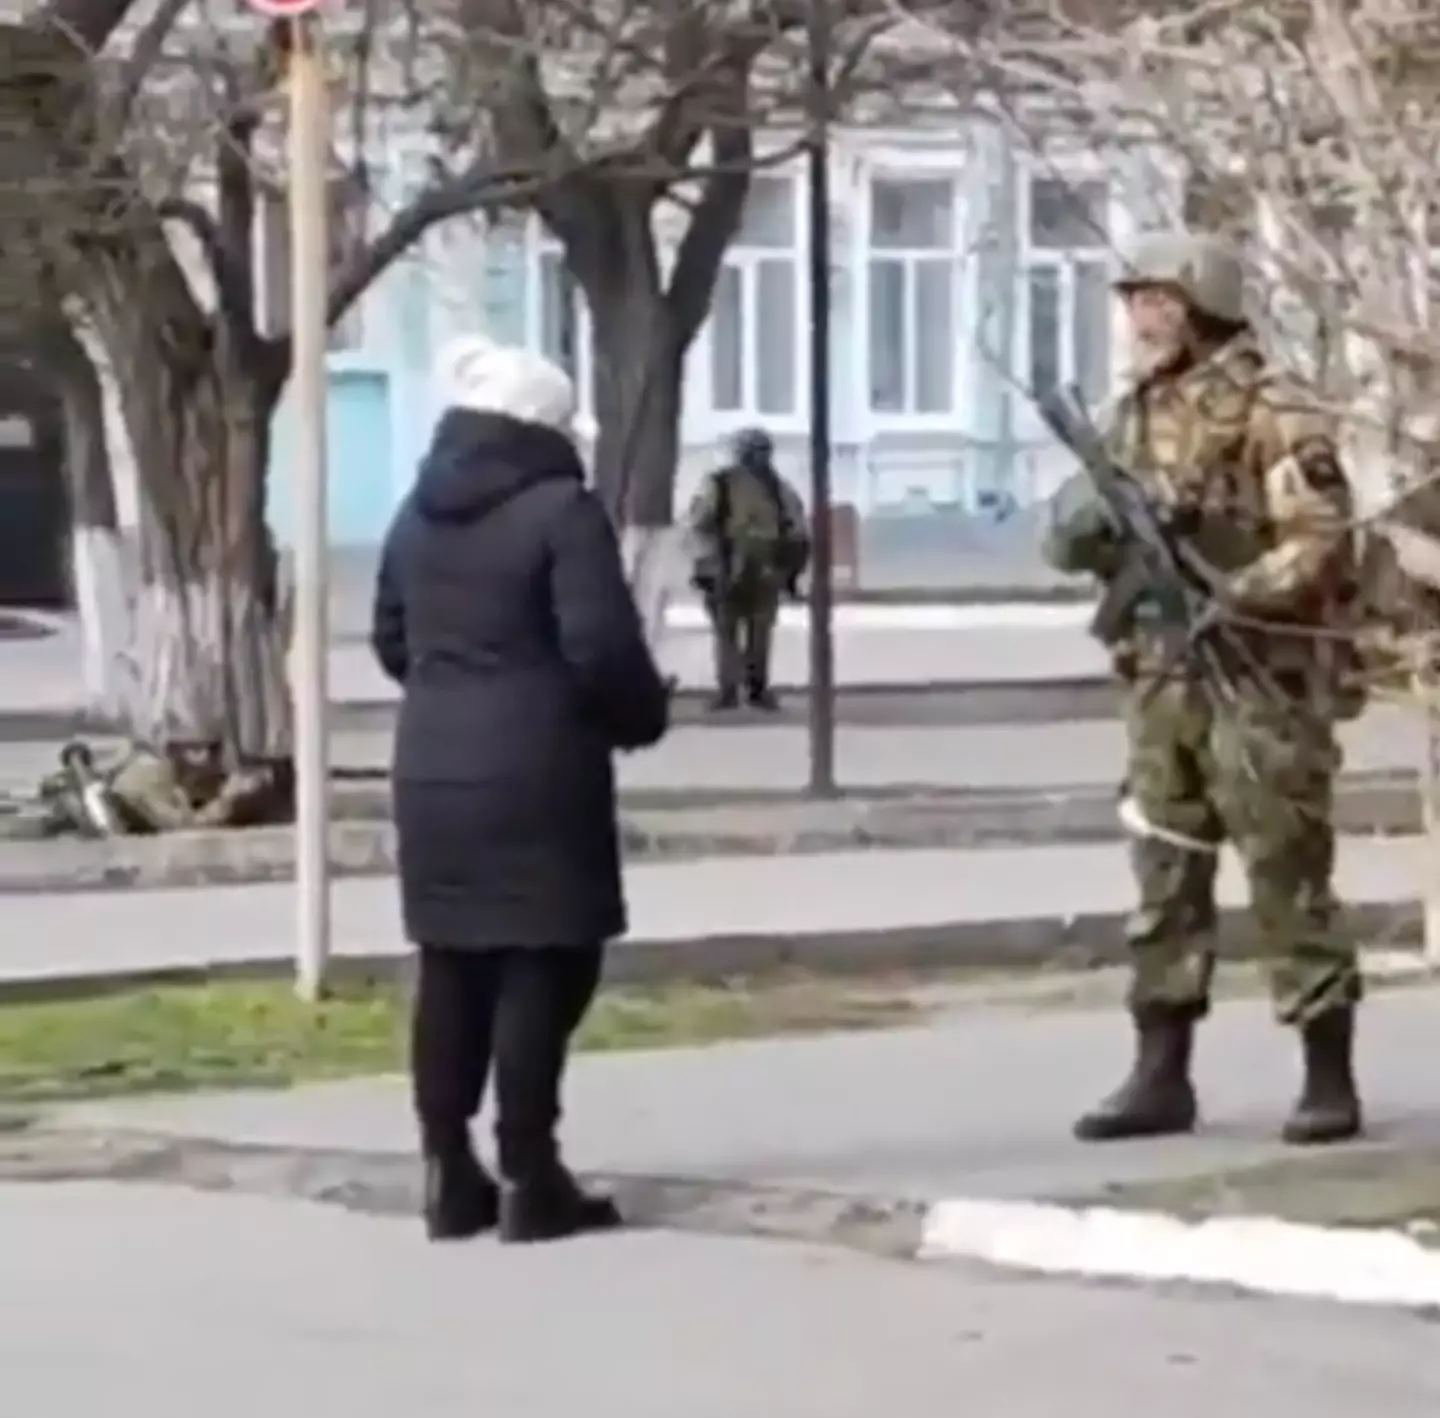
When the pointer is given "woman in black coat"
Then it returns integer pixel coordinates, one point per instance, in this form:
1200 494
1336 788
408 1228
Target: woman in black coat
502 610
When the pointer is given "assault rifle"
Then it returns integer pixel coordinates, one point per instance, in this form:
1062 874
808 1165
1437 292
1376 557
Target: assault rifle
1160 566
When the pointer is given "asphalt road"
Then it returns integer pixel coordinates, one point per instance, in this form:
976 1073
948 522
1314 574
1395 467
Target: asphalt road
236 1306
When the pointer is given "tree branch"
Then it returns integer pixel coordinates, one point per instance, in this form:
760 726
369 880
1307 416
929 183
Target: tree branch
235 227
573 207
230 284
144 55
713 224
87 24
479 185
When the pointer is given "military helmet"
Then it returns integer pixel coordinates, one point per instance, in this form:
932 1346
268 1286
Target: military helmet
1204 269
752 445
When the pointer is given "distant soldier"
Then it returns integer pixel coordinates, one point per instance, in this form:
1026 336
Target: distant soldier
1241 463
751 546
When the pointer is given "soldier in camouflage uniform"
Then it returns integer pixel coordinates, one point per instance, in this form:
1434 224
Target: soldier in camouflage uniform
751 546
1240 461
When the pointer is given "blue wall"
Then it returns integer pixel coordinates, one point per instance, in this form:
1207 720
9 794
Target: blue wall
361 456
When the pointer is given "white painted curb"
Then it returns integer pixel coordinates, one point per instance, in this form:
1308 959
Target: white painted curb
1018 615
1353 1265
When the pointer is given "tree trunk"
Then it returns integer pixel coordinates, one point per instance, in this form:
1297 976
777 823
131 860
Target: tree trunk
103 585
211 629
197 397
639 365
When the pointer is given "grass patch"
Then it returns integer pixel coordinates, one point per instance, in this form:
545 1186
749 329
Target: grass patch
1369 1185
235 1035
256 1034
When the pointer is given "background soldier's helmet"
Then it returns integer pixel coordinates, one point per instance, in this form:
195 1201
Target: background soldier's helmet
1204 269
752 445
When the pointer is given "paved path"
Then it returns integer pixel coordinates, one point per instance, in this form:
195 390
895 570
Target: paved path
977 1105
999 756
233 1307
735 897
997 643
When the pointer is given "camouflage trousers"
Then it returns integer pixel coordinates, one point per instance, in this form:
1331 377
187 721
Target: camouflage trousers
743 622
1260 775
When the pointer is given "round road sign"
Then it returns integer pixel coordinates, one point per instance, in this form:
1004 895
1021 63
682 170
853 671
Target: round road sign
283 9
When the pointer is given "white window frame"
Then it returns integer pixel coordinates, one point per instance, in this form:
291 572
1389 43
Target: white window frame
542 251
747 261
1064 262
957 169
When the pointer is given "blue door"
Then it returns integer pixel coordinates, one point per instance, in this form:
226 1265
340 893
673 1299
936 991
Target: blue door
361 483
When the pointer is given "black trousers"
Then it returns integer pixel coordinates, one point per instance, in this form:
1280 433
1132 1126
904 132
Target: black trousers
514 1010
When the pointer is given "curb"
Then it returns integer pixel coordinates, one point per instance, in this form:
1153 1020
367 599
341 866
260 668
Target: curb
364 844
1052 613
1257 1254
1377 1267
389 1184
936 703
1078 943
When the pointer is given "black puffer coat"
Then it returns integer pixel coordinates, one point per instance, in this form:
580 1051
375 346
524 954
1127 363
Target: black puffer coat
502 610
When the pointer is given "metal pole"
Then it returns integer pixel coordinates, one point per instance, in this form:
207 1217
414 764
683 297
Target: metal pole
822 574
309 280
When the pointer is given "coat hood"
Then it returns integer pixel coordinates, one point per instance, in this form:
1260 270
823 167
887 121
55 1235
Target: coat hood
478 461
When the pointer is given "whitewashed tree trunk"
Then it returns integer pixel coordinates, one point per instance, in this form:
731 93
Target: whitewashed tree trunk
105 611
210 619
637 450
655 566
103 586
197 399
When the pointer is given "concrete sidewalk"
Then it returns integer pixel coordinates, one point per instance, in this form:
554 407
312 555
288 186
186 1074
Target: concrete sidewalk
708 918
976 1104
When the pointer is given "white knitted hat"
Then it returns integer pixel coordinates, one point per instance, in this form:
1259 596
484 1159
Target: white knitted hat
477 373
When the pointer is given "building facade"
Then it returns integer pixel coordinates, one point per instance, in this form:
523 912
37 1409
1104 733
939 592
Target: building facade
966 272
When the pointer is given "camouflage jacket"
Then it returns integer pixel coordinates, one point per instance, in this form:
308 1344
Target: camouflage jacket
740 526
1244 456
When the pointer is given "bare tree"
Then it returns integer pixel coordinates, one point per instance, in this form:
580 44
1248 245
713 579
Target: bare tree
1306 130
652 190
135 165
140 142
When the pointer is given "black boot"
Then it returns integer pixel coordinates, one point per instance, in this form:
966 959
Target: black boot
461 1200
1158 1098
722 700
550 1206
762 697
1328 1109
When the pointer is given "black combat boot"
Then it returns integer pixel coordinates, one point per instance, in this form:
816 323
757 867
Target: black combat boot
1328 1109
761 696
551 1205
461 1200
1158 1098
